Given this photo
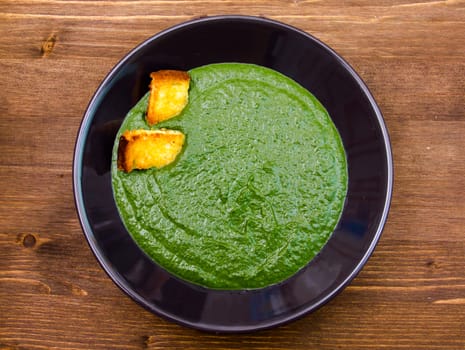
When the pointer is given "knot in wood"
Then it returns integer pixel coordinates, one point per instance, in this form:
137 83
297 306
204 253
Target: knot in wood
48 45
29 241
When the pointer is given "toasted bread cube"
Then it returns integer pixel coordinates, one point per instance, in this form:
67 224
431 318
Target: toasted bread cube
168 95
144 149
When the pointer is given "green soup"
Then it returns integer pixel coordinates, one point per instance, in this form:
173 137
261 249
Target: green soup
257 190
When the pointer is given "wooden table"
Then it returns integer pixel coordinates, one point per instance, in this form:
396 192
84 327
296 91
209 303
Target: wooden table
53 293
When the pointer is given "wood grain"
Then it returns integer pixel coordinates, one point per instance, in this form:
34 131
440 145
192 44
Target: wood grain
54 295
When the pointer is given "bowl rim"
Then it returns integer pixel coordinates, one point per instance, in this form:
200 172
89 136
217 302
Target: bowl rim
87 229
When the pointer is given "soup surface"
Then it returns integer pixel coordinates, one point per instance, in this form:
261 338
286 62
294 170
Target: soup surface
257 190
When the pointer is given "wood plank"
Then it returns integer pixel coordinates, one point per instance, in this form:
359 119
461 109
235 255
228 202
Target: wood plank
83 30
53 293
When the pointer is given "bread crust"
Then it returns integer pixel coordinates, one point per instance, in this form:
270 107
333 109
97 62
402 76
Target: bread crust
145 149
168 95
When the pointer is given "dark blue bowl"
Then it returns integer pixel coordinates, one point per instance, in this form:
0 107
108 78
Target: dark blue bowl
304 59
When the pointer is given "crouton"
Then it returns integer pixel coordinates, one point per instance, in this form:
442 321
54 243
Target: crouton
144 149
168 95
